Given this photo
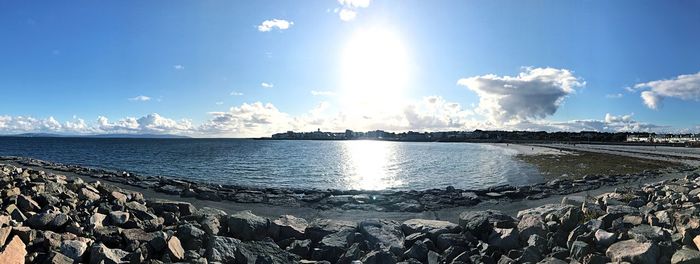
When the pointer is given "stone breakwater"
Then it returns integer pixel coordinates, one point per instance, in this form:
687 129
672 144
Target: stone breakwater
381 201
51 218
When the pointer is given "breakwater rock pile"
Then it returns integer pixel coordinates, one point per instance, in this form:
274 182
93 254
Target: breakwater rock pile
388 200
50 218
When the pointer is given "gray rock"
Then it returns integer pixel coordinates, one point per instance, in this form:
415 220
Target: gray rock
300 247
633 251
222 249
211 224
504 238
580 249
247 226
384 233
531 225
288 226
482 222
645 233
551 260
431 227
191 237
604 238
99 253
445 241
545 210
322 227
118 217
73 249
379 257
418 251
686 256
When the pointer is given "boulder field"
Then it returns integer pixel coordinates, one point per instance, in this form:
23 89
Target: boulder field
51 218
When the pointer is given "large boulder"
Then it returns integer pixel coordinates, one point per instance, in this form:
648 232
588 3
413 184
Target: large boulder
231 250
320 228
543 211
504 238
531 225
190 236
14 252
288 226
686 256
383 233
99 253
633 251
480 223
433 228
182 208
247 226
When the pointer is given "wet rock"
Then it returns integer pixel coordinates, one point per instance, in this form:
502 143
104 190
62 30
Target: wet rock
633 251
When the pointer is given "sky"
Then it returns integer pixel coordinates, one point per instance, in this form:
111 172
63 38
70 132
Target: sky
253 68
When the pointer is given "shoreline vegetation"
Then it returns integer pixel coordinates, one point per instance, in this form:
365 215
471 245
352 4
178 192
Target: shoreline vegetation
52 218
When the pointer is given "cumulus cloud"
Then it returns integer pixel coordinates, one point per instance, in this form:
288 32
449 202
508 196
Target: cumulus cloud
267 85
610 123
140 98
280 24
535 93
246 120
684 87
178 67
348 9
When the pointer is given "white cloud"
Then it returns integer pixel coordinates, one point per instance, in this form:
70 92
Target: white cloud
247 120
347 14
534 94
234 93
280 24
684 87
614 96
267 85
219 103
322 93
178 67
348 9
151 123
140 98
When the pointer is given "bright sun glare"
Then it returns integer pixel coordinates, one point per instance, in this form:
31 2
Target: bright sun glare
375 70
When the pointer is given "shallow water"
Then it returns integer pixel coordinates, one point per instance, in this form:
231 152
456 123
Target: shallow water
371 165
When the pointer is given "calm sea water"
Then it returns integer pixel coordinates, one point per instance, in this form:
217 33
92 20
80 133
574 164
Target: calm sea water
297 164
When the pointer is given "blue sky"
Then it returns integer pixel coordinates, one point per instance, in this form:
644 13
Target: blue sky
198 67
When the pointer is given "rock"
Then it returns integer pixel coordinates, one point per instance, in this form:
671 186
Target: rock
27 204
86 194
633 251
323 227
332 246
418 251
58 258
482 222
97 220
645 233
504 238
531 225
547 209
118 217
99 253
551 260
379 257
431 227
686 256
580 249
182 208
445 241
247 226
573 200
211 224
604 238
231 250
4 234
14 252
288 226
175 249
73 249
191 237
300 247
384 233
120 197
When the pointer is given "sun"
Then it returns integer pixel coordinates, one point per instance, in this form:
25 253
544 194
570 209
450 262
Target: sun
375 70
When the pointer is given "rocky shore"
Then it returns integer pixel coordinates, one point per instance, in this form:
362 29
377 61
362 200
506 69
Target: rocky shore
51 218
380 201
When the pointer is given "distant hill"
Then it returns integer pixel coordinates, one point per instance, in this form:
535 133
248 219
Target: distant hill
49 135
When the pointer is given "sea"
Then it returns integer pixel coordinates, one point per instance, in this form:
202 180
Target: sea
357 164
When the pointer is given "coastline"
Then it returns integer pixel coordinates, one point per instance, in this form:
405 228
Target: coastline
100 222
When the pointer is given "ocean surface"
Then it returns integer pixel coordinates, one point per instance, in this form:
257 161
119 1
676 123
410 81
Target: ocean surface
374 165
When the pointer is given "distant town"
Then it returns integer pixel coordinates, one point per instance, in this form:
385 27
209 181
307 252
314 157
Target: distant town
497 136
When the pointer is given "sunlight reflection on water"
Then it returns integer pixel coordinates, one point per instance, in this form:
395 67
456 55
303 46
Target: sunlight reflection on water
367 165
